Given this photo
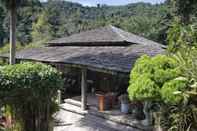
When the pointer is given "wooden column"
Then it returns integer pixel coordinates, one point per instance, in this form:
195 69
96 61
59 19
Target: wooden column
84 89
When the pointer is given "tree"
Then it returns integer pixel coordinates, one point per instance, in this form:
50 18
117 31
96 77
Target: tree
2 32
42 29
26 16
11 5
185 9
66 18
181 37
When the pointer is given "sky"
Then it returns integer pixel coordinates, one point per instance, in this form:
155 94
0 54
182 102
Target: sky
112 2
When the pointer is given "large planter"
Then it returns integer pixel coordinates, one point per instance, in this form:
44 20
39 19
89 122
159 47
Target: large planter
124 103
103 102
124 108
106 101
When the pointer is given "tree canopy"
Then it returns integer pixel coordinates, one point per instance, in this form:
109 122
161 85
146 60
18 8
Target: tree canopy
54 19
41 21
185 10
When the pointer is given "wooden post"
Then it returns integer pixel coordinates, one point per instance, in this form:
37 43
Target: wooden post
59 98
84 89
13 32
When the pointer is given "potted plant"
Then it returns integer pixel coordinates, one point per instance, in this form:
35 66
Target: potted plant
124 99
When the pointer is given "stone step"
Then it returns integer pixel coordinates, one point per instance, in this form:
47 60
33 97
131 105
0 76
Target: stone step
73 108
78 103
73 102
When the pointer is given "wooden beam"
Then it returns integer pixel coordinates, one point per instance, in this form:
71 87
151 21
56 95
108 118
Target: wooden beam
84 89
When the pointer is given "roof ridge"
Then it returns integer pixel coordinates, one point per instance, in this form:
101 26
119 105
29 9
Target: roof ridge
102 36
126 38
115 30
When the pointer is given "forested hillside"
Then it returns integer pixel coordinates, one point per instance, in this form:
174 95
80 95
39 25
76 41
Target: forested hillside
39 22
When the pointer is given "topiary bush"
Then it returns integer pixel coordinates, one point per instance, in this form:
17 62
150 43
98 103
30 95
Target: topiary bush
30 89
153 78
143 88
142 66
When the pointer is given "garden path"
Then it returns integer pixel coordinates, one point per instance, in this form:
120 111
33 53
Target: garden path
70 121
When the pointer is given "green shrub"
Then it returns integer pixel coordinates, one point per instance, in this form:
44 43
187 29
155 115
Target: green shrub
30 89
142 66
161 76
143 88
149 75
169 91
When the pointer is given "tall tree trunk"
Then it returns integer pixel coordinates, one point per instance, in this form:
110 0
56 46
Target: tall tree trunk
13 32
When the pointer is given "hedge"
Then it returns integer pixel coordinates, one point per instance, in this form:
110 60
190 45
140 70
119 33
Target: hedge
30 89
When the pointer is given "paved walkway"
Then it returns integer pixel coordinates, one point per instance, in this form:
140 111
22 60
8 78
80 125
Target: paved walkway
69 121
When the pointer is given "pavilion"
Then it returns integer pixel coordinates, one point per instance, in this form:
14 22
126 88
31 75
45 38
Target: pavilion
108 49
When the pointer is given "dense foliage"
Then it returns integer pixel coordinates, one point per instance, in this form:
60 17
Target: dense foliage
169 90
181 37
151 78
171 82
185 10
178 95
30 90
29 75
38 22
184 117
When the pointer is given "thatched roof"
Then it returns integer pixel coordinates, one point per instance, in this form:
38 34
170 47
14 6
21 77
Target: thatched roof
118 59
104 36
91 49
